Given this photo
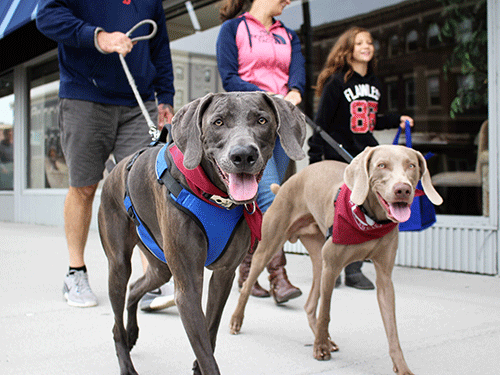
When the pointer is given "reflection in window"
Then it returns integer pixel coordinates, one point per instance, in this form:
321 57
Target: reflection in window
412 41
178 98
433 36
392 96
376 46
464 32
393 46
7 132
47 166
179 73
410 93
433 91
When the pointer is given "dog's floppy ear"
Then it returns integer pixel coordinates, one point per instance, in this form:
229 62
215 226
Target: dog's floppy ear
356 176
291 126
425 177
186 130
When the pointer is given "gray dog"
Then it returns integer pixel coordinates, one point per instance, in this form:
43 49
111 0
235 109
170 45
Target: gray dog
226 139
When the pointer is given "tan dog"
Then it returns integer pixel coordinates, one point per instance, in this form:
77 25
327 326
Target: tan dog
382 180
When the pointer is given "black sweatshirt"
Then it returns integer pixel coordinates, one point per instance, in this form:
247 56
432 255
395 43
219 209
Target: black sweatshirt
348 112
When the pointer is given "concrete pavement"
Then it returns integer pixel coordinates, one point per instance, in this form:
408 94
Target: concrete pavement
449 323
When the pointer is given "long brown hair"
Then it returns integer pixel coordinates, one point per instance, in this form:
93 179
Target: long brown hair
231 8
340 58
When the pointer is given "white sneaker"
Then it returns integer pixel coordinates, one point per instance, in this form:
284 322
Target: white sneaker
158 299
76 290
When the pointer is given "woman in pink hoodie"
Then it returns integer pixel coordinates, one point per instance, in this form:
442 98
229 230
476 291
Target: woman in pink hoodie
256 52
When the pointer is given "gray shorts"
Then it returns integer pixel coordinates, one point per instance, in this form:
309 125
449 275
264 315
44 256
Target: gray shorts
91 132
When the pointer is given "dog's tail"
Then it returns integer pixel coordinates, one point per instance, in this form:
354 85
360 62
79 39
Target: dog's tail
275 188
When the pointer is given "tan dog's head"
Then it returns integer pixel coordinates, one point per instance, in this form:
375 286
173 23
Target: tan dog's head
236 133
389 174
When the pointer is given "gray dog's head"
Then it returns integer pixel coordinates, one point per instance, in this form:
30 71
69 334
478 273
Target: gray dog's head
236 132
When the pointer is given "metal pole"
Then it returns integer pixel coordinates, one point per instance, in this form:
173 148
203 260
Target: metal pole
307 35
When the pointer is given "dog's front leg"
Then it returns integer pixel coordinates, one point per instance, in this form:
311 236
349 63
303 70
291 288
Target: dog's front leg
188 294
332 266
118 249
218 293
313 244
386 302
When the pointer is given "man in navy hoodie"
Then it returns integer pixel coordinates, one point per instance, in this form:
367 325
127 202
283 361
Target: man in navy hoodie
98 112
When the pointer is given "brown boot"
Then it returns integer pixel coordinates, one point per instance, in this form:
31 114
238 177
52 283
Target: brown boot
281 288
257 290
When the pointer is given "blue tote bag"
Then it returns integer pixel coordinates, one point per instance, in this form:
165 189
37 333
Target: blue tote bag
423 214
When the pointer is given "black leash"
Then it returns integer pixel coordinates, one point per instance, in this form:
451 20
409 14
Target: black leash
328 139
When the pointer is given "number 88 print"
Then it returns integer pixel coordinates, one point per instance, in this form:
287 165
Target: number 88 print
363 116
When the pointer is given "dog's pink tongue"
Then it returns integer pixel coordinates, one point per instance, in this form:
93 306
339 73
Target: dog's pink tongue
242 186
400 212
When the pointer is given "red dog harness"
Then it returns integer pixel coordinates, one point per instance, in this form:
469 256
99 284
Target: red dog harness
352 225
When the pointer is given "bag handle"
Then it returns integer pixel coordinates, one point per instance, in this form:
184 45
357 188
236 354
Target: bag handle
407 135
408 139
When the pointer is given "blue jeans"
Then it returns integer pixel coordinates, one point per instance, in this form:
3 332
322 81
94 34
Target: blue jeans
273 173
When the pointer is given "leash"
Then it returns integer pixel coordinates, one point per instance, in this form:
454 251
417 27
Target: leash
153 131
327 138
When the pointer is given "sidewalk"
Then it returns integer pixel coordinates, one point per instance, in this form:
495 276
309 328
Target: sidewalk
448 323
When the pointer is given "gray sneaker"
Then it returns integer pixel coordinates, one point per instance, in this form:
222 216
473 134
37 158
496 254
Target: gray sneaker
158 299
76 290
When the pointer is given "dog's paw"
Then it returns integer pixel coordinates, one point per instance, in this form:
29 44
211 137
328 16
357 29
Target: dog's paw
235 325
322 351
333 347
405 371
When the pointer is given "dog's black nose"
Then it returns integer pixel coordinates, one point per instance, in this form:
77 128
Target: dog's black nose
402 191
243 156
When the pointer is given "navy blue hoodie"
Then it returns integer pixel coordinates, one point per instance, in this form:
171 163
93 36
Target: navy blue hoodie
87 74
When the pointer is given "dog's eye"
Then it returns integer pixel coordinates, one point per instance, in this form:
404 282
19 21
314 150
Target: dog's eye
412 166
381 166
262 121
218 122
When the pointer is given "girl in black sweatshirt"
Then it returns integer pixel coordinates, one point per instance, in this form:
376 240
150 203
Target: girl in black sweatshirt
348 110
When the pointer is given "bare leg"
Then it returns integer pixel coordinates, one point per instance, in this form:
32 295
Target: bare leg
77 216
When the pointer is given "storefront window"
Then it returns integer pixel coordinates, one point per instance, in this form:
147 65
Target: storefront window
444 86
6 132
47 167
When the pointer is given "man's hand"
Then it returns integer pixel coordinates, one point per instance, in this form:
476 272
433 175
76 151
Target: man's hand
165 114
114 42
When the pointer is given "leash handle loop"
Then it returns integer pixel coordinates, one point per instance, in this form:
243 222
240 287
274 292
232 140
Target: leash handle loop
143 37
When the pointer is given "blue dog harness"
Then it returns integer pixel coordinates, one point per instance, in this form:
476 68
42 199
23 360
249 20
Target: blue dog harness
216 222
